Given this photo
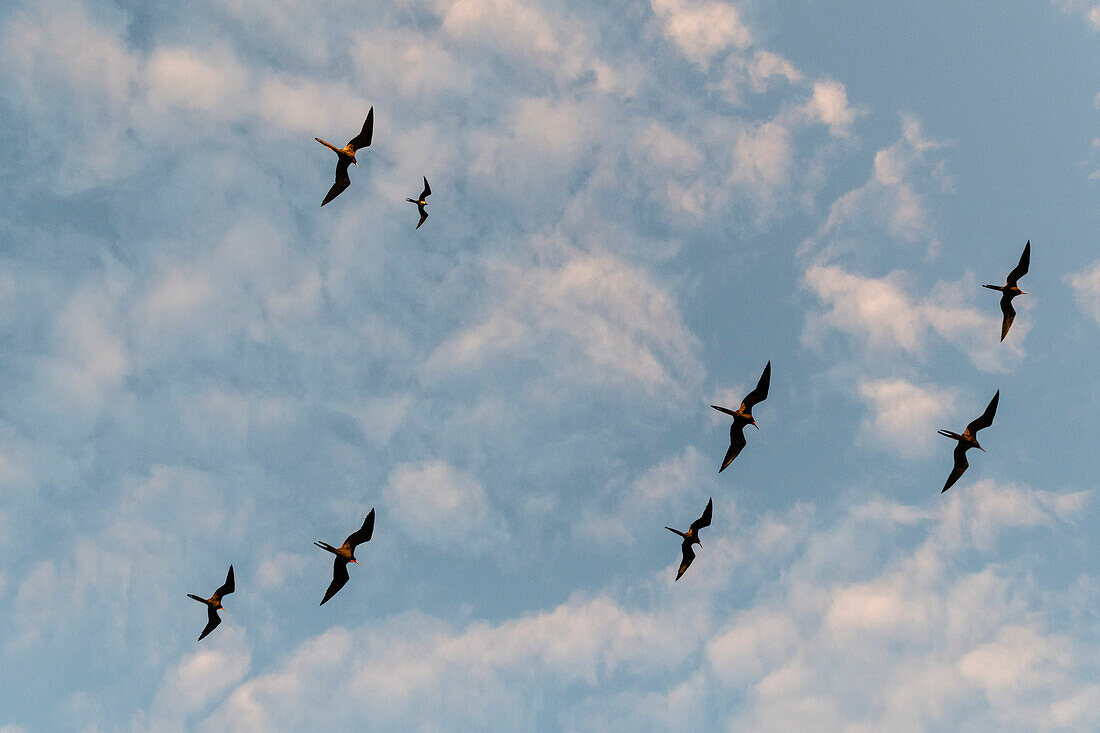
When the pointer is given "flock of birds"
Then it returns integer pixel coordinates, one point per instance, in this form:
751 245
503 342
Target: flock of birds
742 416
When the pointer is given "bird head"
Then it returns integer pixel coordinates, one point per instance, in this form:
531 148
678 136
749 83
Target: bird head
979 446
752 421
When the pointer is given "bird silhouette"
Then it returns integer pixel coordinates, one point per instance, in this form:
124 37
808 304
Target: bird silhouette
968 440
1010 289
743 416
422 202
346 156
213 603
691 537
345 553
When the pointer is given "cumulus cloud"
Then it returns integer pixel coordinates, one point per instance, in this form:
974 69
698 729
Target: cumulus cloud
701 29
884 316
903 415
200 678
594 306
1086 289
927 641
893 204
440 505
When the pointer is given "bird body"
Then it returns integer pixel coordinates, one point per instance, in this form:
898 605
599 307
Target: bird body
214 603
691 537
422 202
345 554
742 416
1011 289
968 440
346 156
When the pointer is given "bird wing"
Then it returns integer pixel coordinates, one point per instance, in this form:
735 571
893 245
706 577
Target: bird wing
423 215
760 392
212 622
343 180
703 521
362 140
1021 269
227 586
363 534
689 555
339 578
961 464
737 442
986 418
1009 313
427 190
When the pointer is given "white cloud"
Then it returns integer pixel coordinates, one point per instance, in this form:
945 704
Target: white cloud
201 677
893 202
595 306
1086 289
439 505
762 156
701 29
276 569
413 667
903 415
183 78
926 641
1086 8
885 316
829 105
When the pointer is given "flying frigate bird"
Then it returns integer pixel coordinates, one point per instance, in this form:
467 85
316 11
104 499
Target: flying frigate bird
422 202
1010 290
691 537
345 553
743 416
213 603
968 440
346 156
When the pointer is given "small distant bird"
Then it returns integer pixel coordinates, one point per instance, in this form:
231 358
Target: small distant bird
743 416
1009 290
968 440
422 202
345 553
346 156
691 537
213 603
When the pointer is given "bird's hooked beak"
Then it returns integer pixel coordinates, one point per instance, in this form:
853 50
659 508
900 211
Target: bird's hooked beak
754 424
979 448
353 160
355 561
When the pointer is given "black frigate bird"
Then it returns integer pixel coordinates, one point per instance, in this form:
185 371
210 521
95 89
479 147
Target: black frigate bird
422 202
346 156
213 603
743 416
345 553
968 440
691 537
1010 289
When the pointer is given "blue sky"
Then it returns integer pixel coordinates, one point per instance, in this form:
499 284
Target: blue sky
635 207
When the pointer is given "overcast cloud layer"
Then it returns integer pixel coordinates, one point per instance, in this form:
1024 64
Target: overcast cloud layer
635 207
